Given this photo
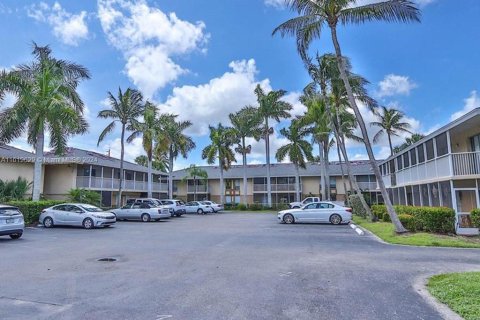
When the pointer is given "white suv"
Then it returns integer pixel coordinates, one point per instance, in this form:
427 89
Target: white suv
177 207
11 222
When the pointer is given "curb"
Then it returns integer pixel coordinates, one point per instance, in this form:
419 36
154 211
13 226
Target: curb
420 286
358 230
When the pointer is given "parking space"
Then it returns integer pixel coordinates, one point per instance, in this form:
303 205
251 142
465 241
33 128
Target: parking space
220 266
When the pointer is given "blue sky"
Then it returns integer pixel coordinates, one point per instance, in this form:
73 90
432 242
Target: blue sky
201 59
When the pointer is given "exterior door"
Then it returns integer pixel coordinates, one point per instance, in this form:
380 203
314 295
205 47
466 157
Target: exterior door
60 214
75 215
466 200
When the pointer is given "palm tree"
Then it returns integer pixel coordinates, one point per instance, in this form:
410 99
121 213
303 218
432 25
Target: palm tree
148 130
314 15
126 109
390 122
298 150
245 124
158 163
408 142
174 142
222 139
47 101
271 107
195 173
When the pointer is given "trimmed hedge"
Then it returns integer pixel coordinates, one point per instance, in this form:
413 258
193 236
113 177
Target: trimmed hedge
31 209
378 211
429 219
408 221
475 215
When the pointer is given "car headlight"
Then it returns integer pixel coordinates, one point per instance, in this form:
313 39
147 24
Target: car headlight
98 216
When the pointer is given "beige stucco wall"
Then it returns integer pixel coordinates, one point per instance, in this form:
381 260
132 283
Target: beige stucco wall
214 187
11 171
310 185
461 141
58 180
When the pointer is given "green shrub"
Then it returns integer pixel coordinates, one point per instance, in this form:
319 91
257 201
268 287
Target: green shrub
280 206
386 217
11 190
378 211
356 205
31 209
475 215
255 207
408 221
241 207
85 196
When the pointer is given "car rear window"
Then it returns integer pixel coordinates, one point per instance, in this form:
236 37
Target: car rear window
9 211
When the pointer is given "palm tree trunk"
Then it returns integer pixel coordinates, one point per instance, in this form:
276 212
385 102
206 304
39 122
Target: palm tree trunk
341 166
297 184
150 178
170 173
323 185
327 173
37 170
245 187
122 155
391 211
222 187
390 143
267 152
194 188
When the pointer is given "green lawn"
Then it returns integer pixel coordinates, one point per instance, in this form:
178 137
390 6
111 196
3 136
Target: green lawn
460 291
385 231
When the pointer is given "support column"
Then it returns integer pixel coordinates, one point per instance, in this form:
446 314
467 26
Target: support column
101 179
134 179
90 178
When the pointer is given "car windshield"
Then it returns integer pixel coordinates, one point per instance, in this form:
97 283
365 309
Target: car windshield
180 203
156 203
205 203
90 208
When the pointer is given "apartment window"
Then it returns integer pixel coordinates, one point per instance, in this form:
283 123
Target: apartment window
373 178
406 160
399 163
421 153
128 175
259 180
413 157
362 179
430 150
442 144
424 195
434 194
291 180
392 166
416 196
446 194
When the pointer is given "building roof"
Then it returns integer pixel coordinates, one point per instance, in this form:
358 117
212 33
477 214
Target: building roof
72 155
280 170
455 123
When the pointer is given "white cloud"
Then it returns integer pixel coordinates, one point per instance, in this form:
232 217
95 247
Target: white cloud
67 27
212 102
394 84
421 3
279 4
149 40
471 103
294 99
132 150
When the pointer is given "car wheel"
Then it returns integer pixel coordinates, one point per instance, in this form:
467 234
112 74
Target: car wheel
48 222
16 235
200 211
146 217
288 219
88 223
335 219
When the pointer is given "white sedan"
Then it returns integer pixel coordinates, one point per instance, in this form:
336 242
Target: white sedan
317 212
141 211
198 207
215 206
76 214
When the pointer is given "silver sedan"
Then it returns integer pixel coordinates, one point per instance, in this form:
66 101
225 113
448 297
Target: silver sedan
141 211
198 207
317 212
76 214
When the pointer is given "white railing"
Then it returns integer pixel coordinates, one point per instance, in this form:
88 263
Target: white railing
466 163
275 187
199 188
109 183
367 185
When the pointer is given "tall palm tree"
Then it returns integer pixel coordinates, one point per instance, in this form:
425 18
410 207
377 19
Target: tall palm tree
148 130
174 142
125 109
159 163
222 140
415 137
298 150
271 107
47 101
196 173
245 124
390 122
314 15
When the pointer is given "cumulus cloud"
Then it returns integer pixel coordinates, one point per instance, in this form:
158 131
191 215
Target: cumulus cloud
394 84
470 103
149 40
67 27
279 4
212 102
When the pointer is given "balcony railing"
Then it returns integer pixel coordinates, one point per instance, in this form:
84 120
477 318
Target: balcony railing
449 165
367 185
275 187
109 183
198 189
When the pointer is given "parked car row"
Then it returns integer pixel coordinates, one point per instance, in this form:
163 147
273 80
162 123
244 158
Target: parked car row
88 216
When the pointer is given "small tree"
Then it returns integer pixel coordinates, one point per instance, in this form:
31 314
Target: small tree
84 196
196 173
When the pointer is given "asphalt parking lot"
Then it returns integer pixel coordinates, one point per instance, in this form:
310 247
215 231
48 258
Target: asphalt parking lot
222 266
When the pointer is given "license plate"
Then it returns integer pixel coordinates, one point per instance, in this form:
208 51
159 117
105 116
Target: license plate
10 220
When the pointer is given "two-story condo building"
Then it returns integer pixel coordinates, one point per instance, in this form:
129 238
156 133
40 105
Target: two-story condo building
442 169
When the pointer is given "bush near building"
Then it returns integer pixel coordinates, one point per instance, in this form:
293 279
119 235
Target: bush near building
429 219
31 209
357 206
475 215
